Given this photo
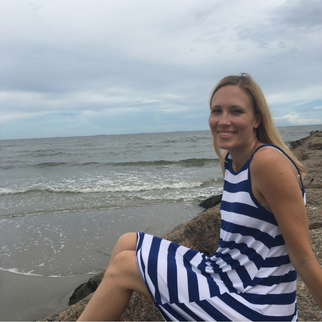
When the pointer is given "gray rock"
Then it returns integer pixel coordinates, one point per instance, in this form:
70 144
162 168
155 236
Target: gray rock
211 201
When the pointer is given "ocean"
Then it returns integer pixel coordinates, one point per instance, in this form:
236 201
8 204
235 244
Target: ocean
64 202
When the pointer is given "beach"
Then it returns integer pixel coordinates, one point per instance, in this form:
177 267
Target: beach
27 297
65 202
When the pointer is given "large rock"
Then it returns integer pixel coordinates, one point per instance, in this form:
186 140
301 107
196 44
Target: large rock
308 310
202 233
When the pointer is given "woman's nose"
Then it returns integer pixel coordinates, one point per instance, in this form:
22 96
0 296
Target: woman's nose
224 119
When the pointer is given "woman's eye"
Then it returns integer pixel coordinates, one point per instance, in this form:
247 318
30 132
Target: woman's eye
237 111
215 111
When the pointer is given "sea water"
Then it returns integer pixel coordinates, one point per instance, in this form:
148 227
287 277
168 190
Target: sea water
64 202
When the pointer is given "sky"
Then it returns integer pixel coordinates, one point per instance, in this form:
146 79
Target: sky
93 67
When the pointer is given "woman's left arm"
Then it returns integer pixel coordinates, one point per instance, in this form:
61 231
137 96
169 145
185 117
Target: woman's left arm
276 185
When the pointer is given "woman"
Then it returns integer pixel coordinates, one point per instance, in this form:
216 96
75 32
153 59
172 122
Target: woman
264 234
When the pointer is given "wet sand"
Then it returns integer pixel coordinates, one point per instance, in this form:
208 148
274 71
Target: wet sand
27 298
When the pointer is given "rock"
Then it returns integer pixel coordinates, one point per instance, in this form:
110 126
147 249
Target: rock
307 309
293 144
87 288
202 233
211 202
70 313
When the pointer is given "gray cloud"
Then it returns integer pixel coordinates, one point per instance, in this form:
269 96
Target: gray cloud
87 61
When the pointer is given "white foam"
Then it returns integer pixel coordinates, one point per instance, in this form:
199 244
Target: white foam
16 271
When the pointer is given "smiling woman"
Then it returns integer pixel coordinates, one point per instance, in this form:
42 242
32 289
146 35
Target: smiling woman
232 121
264 236
243 96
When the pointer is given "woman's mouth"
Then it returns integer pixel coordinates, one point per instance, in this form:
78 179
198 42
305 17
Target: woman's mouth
225 134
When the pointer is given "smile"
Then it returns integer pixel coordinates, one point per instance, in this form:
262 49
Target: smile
225 133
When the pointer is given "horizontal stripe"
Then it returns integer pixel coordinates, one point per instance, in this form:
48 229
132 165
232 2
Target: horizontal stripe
234 179
279 240
248 210
280 299
241 197
170 314
274 280
276 261
260 236
249 221
275 271
278 288
259 312
277 251
241 186
252 243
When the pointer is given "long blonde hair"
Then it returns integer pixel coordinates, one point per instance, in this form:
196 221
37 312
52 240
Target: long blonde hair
267 131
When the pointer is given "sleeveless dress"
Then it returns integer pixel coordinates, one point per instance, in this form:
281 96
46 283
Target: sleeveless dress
249 277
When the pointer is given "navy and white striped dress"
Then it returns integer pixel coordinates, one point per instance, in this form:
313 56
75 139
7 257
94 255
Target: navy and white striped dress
249 277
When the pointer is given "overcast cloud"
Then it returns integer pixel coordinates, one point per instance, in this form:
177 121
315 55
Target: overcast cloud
88 67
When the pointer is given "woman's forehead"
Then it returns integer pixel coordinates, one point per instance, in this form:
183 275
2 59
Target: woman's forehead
231 94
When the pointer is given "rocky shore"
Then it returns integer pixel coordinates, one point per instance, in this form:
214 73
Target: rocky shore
202 233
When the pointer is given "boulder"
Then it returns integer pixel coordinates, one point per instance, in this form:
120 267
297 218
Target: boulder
86 288
211 201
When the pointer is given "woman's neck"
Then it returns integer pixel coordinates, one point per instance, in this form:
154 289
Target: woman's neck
240 157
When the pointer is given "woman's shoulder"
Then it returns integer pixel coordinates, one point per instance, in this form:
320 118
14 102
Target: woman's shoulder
270 159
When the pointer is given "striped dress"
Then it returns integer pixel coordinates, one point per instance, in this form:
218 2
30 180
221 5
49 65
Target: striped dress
249 277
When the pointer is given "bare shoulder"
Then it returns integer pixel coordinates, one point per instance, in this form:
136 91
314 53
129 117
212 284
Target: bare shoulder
270 168
270 159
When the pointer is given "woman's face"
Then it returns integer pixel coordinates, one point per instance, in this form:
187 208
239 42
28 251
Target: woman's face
232 120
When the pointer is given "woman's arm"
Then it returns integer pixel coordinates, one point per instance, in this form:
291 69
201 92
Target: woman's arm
274 184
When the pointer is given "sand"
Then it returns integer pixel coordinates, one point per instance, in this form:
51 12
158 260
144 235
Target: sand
27 298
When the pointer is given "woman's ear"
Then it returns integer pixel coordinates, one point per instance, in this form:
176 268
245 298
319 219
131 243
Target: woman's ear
258 121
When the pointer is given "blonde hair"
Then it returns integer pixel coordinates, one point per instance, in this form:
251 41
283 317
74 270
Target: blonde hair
267 131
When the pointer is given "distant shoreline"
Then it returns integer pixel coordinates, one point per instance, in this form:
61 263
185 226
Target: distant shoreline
143 133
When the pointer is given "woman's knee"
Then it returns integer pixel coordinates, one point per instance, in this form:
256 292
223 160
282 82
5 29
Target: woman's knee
127 242
124 273
122 265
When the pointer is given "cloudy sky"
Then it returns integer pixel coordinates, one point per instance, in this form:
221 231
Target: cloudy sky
88 67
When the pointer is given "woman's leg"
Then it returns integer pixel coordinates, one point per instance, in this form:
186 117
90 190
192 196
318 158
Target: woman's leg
125 242
121 278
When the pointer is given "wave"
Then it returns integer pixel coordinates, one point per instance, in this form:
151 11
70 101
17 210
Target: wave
185 163
188 162
128 187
